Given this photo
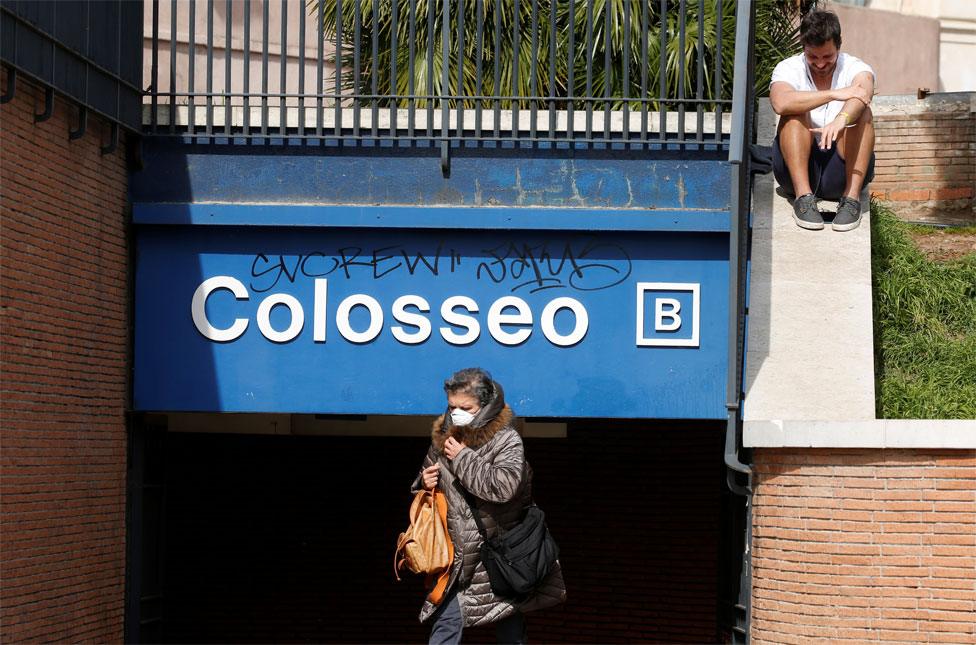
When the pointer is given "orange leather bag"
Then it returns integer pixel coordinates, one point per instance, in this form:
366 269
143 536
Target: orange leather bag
425 547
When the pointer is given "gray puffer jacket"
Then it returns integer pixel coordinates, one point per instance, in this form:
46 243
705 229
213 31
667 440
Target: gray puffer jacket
492 467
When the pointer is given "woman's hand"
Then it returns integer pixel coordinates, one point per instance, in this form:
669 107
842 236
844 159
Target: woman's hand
430 476
452 447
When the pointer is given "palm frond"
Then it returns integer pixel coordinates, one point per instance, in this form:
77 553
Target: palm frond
601 58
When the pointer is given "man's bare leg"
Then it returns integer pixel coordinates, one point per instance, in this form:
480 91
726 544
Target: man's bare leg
796 142
855 146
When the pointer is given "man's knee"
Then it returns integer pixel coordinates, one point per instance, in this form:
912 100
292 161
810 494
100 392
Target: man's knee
856 131
864 121
792 122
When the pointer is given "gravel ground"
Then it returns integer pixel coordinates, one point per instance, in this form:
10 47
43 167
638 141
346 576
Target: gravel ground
942 245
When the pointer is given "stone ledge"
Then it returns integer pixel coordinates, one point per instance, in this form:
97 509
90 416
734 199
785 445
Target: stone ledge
877 433
937 104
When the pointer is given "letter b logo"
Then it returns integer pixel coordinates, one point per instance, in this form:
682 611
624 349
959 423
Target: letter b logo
676 314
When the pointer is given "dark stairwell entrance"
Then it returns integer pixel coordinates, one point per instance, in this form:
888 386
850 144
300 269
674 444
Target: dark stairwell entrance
272 538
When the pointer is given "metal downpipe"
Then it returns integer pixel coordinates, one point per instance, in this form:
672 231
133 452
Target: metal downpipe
739 207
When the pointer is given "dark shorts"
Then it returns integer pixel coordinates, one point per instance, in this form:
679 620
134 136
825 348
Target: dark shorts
828 174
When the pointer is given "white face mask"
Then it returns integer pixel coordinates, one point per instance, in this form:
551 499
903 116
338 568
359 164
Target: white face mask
461 417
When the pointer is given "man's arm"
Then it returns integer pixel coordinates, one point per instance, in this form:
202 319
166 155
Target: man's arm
789 101
863 85
854 107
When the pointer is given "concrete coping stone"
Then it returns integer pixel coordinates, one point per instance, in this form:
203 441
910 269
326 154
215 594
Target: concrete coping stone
876 433
935 102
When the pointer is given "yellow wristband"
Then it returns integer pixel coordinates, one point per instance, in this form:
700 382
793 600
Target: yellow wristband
847 117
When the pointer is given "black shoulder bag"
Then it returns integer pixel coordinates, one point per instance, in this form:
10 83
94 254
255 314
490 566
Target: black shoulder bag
518 561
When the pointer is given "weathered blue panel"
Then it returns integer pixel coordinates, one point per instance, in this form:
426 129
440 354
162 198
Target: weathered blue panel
653 345
358 216
178 173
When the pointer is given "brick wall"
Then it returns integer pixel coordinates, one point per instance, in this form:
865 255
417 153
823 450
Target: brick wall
63 325
926 156
864 546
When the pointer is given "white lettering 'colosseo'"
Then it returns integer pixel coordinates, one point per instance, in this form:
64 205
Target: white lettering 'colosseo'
510 319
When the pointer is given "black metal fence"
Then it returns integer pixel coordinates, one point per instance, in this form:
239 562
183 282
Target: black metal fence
590 72
87 51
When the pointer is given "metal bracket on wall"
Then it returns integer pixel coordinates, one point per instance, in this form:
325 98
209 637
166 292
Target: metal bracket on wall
10 90
48 106
446 158
82 124
113 142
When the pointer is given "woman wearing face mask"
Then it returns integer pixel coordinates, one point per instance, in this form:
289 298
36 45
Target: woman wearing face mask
476 447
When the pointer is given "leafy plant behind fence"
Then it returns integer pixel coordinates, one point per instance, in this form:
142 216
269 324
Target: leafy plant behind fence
492 53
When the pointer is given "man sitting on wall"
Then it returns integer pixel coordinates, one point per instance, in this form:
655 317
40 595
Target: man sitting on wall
824 146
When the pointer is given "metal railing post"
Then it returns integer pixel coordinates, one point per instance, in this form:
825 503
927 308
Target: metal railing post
445 84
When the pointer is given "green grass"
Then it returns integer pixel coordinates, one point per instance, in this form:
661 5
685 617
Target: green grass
925 327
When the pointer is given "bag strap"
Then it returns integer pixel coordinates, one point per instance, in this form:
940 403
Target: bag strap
436 594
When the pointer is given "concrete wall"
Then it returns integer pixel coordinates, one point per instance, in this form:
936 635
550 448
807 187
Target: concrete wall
288 53
957 37
902 49
864 545
64 317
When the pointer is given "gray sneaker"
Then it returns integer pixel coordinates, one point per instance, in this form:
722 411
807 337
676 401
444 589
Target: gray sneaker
848 214
806 214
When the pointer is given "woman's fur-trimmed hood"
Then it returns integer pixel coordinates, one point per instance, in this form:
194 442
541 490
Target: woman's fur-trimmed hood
471 437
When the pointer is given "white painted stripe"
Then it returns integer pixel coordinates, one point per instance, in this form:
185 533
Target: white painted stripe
236 114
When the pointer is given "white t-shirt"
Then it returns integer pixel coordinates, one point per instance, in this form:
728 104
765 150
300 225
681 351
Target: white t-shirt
795 72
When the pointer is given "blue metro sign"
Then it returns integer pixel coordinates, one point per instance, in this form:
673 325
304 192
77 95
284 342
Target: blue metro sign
370 321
